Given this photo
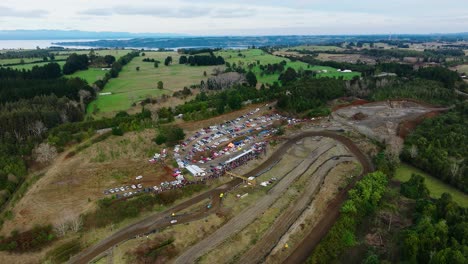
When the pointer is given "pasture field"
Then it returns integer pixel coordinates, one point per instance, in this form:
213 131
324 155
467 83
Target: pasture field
436 187
31 65
29 60
133 86
91 75
254 55
462 68
117 53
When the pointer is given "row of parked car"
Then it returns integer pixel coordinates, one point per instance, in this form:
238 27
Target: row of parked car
123 188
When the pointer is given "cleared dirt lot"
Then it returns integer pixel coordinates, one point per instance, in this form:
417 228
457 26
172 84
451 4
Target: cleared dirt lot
349 58
381 120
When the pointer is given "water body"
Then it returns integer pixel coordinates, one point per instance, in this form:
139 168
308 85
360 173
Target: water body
33 44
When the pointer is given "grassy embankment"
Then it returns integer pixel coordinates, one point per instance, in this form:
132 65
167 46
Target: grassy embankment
435 186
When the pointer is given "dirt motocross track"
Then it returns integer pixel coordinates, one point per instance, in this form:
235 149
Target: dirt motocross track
161 220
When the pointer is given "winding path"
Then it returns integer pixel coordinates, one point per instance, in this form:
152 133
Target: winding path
247 216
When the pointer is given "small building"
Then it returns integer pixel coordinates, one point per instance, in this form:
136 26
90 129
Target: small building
195 170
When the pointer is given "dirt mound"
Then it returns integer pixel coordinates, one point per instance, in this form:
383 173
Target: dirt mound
359 116
353 103
374 240
405 127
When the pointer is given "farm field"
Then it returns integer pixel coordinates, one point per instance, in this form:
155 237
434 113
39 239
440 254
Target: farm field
254 55
316 48
132 85
31 65
90 75
462 68
29 60
117 53
435 186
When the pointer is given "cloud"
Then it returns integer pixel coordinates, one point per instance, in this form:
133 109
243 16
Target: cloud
97 12
183 11
154 11
10 12
233 12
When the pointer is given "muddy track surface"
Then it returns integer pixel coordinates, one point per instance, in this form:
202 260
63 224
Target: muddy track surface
308 244
270 239
248 215
161 220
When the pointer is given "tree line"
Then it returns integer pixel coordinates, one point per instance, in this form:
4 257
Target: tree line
201 60
438 146
440 227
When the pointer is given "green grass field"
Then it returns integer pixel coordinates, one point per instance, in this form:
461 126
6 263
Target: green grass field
117 53
132 85
29 66
29 60
435 186
254 55
91 75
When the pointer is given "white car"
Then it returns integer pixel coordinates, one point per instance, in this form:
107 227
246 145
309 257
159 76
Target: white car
140 186
139 177
133 186
173 221
111 191
122 189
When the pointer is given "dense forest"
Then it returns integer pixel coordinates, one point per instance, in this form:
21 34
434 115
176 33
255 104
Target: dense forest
310 95
439 146
439 232
201 60
419 89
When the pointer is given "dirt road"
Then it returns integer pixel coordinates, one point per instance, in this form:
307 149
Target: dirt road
270 239
307 245
248 215
160 220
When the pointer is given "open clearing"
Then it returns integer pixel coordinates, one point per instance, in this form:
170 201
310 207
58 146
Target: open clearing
132 86
72 185
348 58
381 120
462 68
91 75
436 187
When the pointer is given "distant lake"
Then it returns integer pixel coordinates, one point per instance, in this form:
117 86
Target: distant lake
32 44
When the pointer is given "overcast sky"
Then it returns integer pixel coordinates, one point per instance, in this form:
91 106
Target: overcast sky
222 17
